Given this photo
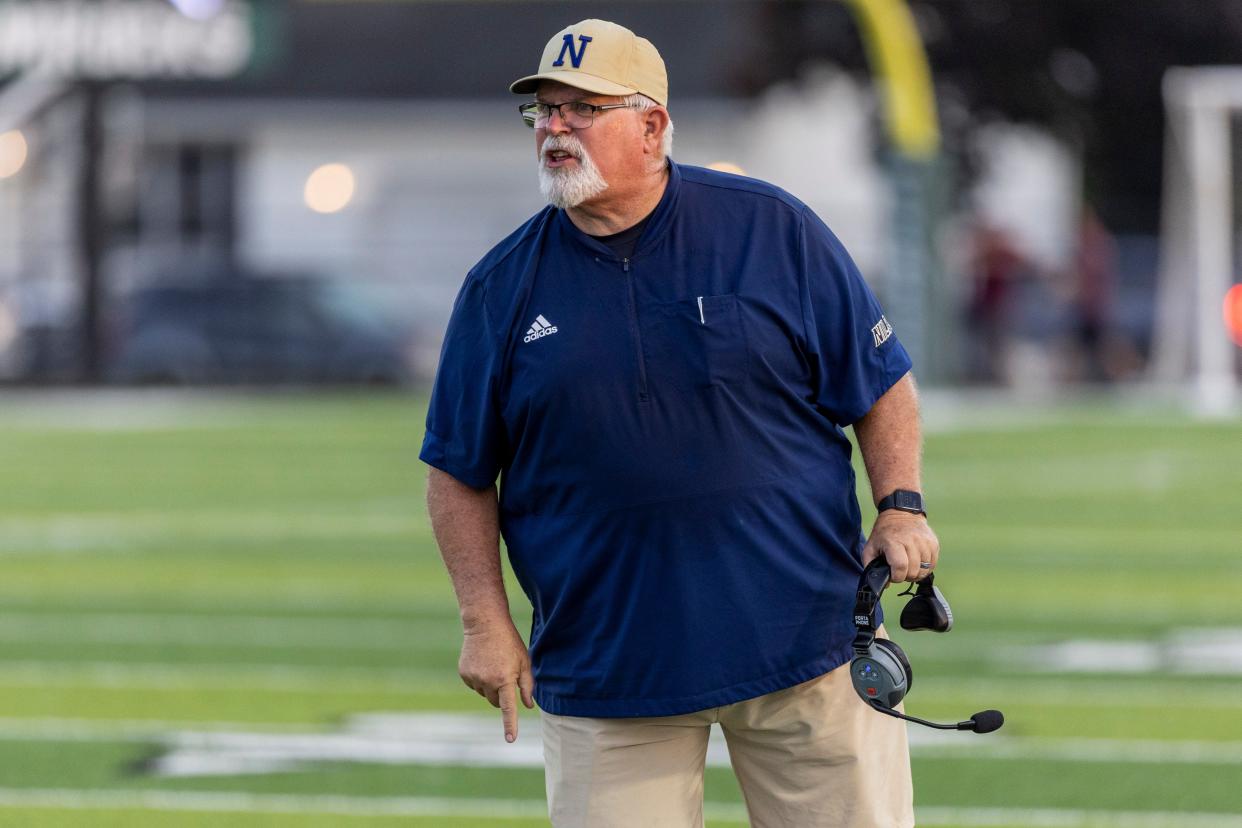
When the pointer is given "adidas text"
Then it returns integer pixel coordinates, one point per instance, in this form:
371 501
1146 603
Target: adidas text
532 335
540 328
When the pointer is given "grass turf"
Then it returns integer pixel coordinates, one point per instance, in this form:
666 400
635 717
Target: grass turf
267 560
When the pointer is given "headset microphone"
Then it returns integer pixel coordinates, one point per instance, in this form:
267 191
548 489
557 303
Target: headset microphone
880 671
985 721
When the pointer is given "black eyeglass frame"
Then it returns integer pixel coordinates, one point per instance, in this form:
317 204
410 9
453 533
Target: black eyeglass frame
530 107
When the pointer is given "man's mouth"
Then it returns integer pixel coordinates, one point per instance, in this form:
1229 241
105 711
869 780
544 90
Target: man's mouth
556 158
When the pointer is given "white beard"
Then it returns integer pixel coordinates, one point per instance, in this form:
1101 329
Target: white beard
566 187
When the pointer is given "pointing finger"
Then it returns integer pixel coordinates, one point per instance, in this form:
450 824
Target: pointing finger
508 710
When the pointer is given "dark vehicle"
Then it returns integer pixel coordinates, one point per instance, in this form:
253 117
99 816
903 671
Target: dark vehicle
255 331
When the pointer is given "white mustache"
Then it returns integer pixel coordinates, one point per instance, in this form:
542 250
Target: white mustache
562 143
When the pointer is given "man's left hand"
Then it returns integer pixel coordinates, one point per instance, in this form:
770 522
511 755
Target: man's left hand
905 540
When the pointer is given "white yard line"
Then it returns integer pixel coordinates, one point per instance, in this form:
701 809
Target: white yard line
411 806
240 631
1139 751
1074 818
161 675
55 729
297 600
1001 411
139 409
1149 690
474 740
279 677
1180 652
56 798
70 532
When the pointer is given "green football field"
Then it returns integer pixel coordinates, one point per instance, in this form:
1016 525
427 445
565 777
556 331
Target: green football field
221 610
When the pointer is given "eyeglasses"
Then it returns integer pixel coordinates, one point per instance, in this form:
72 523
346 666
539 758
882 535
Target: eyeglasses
575 114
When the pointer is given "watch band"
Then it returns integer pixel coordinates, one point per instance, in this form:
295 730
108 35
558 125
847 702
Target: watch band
903 500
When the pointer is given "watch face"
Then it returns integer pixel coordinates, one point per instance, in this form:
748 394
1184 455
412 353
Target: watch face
905 501
908 501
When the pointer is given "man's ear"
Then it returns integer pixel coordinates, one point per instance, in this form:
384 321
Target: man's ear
655 121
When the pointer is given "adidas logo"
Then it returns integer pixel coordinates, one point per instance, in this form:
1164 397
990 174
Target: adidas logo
540 328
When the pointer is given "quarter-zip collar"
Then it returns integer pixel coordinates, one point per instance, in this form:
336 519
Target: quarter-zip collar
661 219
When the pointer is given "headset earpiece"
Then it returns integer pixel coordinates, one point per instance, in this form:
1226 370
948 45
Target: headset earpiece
881 676
928 609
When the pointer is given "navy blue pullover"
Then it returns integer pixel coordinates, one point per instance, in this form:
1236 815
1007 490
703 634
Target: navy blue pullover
676 492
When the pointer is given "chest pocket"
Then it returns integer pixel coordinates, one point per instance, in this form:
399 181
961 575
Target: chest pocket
697 342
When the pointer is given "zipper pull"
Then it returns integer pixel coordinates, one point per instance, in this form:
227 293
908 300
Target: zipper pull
702 321
625 265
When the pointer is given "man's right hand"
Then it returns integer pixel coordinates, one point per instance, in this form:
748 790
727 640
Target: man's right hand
495 664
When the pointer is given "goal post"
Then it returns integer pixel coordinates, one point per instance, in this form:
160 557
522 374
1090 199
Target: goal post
1191 346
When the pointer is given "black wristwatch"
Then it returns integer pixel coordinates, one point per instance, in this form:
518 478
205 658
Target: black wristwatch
903 500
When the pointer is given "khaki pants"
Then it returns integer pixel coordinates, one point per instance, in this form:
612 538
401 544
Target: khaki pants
808 756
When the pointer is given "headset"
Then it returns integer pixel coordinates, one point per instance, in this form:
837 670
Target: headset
880 671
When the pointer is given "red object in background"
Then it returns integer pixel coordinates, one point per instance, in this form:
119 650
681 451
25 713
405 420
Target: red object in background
1232 311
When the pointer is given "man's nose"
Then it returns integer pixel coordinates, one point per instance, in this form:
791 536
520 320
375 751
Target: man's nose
556 123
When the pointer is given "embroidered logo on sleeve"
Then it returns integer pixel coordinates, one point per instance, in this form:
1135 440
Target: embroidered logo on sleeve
881 331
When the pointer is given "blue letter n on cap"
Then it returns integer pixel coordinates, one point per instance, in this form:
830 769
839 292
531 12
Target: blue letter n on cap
574 57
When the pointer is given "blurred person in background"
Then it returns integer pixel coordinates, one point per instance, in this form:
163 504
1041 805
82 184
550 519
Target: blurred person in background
660 365
1095 289
997 267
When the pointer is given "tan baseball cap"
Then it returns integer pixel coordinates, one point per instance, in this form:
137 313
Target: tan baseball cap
603 58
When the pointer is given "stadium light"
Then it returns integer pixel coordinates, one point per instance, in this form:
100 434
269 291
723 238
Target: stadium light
330 188
13 150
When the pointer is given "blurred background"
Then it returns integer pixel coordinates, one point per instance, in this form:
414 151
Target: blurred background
230 235
250 192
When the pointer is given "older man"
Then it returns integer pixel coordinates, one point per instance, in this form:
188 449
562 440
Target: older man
659 365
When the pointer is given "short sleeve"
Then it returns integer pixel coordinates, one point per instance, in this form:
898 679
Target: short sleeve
854 351
465 435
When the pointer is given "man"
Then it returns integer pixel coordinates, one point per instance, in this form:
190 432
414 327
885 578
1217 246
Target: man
659 366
